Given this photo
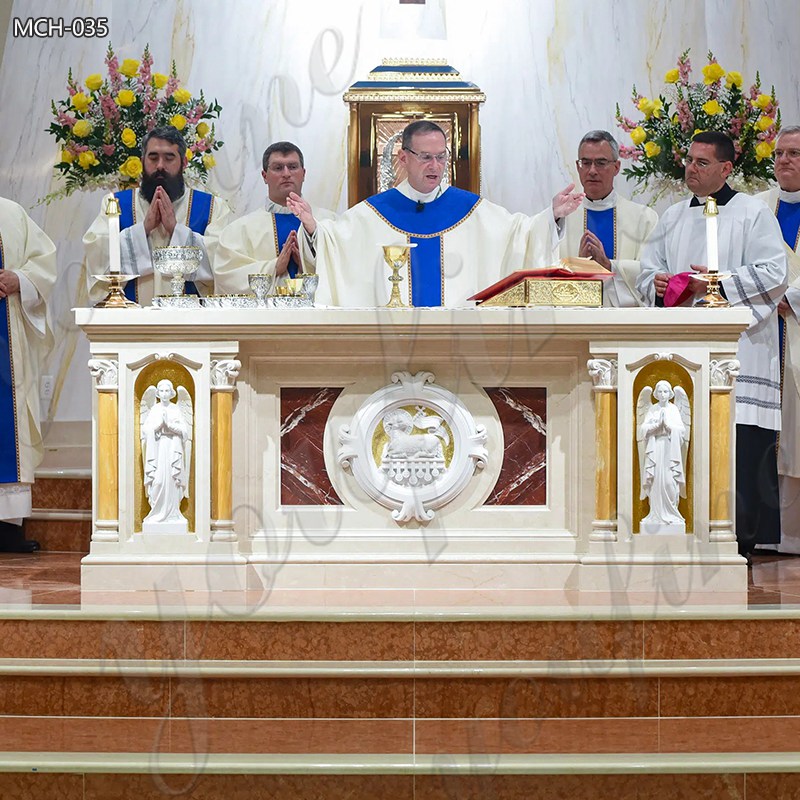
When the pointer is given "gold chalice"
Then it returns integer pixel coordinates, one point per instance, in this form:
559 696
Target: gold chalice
397 256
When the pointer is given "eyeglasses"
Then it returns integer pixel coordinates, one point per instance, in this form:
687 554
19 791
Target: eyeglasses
426 158
700 163
600 163
787 153
278 168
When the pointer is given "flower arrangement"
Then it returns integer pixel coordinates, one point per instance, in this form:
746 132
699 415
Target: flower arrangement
100 125
661 140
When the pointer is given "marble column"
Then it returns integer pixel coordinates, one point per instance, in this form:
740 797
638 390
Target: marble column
722 376
604 377
223 383
106 470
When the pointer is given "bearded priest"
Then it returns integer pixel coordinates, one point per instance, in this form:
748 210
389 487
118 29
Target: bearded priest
161 212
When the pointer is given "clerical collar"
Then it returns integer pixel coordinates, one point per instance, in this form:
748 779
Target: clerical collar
789 197
722 196
609 201
407 190
276 208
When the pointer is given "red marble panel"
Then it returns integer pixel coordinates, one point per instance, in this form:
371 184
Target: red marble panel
304 479
523 476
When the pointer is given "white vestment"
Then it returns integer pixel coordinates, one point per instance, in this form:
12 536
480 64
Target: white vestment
751 251
136 247
789 442
28 252
249 245
633 224
484 246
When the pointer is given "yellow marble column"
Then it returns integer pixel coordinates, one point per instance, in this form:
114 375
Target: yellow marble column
223 383
604 377
722 376
106 476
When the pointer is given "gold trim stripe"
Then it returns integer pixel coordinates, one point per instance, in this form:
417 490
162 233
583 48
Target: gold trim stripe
424 235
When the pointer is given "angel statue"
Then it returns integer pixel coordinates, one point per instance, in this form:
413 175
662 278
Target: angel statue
662 432
166 433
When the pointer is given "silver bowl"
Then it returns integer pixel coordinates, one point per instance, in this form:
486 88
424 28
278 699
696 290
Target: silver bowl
177 262
212 301
239 301
176 301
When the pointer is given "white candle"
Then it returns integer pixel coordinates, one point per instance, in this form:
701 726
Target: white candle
112 212
712 251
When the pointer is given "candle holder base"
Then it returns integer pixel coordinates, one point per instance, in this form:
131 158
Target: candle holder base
712 298
116 293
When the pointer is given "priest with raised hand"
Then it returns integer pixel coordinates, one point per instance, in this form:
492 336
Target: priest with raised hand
463 242
162 212
265 242
785 204
608 228
751 254
27 275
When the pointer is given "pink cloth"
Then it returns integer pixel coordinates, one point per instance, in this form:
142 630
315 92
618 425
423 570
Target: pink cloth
678 289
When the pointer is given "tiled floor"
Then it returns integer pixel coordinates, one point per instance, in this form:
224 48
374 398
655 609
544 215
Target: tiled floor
49 579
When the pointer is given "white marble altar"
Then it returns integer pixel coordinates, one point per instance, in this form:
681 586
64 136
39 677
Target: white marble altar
311 397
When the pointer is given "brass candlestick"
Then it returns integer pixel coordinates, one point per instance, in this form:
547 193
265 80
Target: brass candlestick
396 256
116 291
713 298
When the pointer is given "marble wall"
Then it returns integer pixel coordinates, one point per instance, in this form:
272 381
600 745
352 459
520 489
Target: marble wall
551 69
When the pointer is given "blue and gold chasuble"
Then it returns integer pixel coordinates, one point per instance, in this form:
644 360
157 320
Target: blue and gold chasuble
424 225
9 445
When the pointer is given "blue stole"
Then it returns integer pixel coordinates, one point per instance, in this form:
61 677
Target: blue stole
284 225
788 215
9 446
602 224
200 206
425 228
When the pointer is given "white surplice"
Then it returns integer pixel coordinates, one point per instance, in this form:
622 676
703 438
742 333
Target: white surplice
751 251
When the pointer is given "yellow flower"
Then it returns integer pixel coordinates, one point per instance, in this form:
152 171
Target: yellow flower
189 155
132 167
209 161
712 73
94 81
698 130
182 96
178 121
650 108
87 159
67 157
651 149
82 128
80 102
638 135
126 97
128 138
160 80
733 79
202 129
712 108
765 123
129 67
762 101
672 75
764 150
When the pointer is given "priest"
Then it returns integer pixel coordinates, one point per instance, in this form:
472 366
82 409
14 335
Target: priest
785 203
265 241
463 242
751 252
161 212
27 275
609 229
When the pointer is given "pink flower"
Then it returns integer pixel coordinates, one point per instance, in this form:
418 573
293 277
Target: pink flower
65 119
172 85
108 149
685 117
684 70
80 148
631 153
201 146
113 73
109 108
